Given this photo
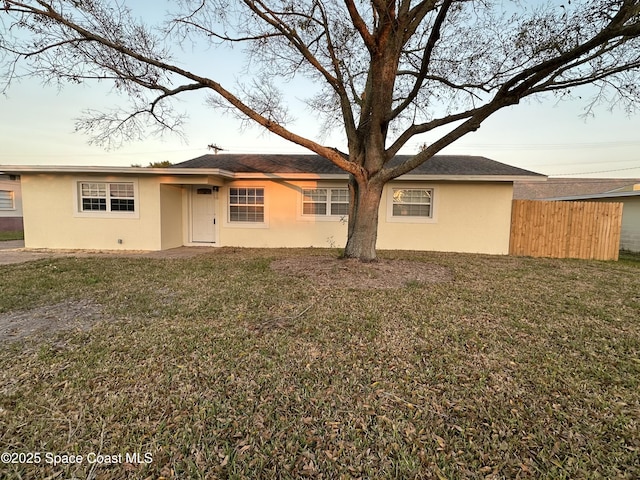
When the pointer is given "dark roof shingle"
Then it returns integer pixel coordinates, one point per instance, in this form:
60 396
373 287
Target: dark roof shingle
438 165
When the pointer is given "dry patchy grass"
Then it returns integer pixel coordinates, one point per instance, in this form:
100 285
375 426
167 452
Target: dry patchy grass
222 367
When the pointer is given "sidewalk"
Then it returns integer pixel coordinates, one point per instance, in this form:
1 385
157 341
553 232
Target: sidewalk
9 244
11 251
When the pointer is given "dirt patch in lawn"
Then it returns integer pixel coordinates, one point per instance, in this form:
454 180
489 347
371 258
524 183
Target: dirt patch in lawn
50 319
348 273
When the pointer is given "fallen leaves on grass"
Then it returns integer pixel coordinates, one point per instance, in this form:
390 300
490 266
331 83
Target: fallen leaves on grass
221 367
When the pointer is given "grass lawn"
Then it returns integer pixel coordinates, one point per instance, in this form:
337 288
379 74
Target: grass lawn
220 367
11 235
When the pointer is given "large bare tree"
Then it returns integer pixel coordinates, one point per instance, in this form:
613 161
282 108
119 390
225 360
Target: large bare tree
386 71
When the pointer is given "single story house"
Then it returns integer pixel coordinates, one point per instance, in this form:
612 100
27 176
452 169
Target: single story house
10 203
622 190
450 203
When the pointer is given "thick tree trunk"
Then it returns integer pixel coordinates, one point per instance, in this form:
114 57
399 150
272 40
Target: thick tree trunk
363 220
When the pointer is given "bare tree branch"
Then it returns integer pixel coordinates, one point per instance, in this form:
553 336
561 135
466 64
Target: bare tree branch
360 25
434 36
384 71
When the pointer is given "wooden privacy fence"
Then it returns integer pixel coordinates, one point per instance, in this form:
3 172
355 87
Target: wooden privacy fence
589 230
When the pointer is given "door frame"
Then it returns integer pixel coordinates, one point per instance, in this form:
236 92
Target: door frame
214 198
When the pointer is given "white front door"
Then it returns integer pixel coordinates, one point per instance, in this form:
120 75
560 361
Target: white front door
203 215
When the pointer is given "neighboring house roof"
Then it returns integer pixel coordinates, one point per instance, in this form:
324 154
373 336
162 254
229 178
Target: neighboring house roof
569 187
613 195
440 165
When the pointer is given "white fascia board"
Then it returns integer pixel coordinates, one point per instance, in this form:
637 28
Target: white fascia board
407 177
290 176
190 171
471 178
71 169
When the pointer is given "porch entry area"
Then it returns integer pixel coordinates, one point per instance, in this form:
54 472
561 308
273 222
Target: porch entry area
204 228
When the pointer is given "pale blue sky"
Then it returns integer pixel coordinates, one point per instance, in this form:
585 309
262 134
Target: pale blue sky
37 125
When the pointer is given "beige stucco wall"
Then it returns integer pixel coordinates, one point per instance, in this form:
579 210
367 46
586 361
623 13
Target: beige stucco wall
51 218
468 217
284 226
172 226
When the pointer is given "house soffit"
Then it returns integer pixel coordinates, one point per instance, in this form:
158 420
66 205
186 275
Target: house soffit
137 171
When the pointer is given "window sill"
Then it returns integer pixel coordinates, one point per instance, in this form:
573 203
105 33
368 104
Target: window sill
115 215
418 220
246 224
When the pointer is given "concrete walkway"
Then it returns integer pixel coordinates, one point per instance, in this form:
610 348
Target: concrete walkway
14 252
11 244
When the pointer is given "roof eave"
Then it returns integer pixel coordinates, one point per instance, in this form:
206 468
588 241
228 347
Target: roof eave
71 169
289 176
407 177
177 171
472 178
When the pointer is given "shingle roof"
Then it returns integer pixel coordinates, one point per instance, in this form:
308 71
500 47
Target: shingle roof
567 187
438 165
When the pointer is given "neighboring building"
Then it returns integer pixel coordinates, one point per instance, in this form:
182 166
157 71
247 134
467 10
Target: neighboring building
556 187
10 203
624 190
450 203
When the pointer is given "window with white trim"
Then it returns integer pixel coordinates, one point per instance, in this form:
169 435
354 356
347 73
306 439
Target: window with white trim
412 202
107 197
325 201
6 200
246 204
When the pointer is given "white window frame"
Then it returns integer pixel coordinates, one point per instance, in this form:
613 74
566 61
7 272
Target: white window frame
246 224
411 219
11 197
328 202
107 213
